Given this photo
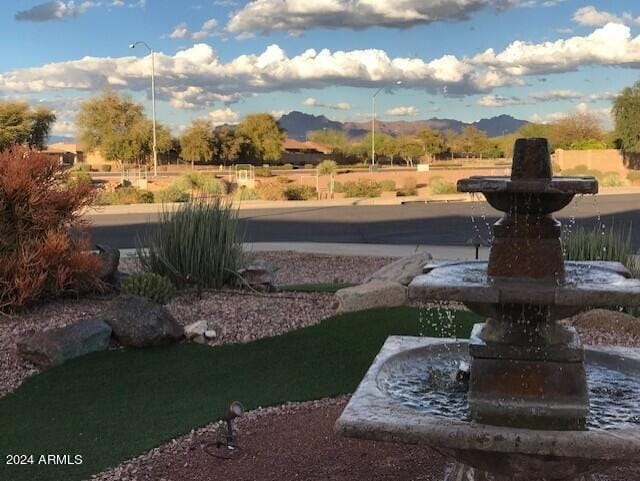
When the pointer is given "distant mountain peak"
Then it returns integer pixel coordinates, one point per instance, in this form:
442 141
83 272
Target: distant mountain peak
299 124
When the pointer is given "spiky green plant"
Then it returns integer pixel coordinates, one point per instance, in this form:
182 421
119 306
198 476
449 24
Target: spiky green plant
613 244
152 286
197 245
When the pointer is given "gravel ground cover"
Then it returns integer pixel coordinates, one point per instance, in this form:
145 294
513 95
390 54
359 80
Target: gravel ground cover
292 441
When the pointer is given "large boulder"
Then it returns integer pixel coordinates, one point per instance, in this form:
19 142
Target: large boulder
55 346
371 295
140 322
401 271
259 275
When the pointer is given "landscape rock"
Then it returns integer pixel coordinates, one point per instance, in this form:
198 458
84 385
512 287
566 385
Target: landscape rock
401 271
259 275
110 258
140 322
210 334
196 329
55 346
371 295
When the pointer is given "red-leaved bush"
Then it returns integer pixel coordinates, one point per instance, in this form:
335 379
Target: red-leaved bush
43 250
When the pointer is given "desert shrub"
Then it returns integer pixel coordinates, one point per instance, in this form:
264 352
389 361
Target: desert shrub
584 171
125 195
283 179
81 167
80 176
309 166
244 193
39 258
327 167
270 191
264 171
439 186
283 167
338 187
611 179
633 176
599 244
105 167
387 185
300 192
173 193
409 187
150 285
362 188
580 169
202 184
196 245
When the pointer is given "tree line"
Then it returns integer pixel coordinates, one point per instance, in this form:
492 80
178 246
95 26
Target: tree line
118 127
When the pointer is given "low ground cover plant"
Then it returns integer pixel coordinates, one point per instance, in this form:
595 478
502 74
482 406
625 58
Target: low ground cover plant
633 176
39 258
202 184
270 191
409 187
150 285
199 244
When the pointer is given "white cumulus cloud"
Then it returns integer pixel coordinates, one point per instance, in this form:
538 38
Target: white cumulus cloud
590 16
223 116
403 111
313 102
297 16
206 30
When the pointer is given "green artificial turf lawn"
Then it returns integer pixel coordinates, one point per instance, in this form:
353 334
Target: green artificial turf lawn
114 405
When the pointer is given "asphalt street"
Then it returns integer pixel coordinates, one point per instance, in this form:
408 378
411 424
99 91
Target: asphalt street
410 224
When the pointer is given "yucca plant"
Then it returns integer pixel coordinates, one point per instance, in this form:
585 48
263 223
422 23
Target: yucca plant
196 245
613 244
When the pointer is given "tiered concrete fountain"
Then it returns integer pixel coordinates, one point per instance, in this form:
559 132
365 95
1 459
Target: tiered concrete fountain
526 414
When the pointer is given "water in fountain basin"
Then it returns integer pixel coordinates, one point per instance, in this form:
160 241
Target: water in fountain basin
431 387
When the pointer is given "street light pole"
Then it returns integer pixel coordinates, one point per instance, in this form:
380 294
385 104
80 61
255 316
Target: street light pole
153 103
373 124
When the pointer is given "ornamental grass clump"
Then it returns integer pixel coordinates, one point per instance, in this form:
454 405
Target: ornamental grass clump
197 245
202 184
599 244
39 209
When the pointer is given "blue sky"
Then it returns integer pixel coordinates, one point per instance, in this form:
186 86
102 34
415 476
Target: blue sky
223 59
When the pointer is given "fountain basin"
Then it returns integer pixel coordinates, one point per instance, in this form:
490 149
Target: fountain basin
587 284
373 413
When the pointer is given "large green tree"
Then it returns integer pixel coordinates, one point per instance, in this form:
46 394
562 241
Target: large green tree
626 116
263 137
117 127
227 145
21 125
197 141
576 130
432 141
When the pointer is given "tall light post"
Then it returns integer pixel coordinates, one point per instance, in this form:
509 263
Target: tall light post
153 102
373 123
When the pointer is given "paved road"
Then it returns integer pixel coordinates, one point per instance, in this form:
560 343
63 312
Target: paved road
410 224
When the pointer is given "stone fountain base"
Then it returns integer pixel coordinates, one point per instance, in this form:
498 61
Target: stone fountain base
507 453
462 472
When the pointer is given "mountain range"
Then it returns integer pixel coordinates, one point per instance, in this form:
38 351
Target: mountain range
299 124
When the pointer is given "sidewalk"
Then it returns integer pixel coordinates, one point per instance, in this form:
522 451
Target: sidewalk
348 249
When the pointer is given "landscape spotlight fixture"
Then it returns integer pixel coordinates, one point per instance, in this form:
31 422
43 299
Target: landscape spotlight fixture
236 410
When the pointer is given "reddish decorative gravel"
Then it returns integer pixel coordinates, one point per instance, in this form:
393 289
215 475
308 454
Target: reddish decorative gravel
293 442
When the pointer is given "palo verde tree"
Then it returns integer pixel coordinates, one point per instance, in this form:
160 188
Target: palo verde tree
22 125
262 137
197 141
626 116
117 127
